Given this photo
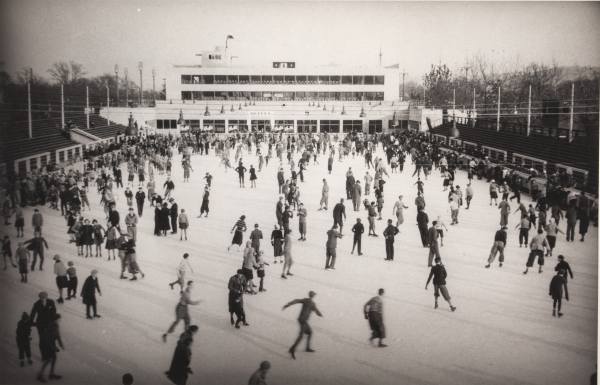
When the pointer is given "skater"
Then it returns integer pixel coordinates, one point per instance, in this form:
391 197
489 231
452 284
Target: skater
440 227
62 281
204 207
236 286
99 233
241 170
398 209
181 309
182 268
556 291
422 222
287 254
339 215
470 195
239 227
19 221
180 363
330 247
438 273
277 243
432 241
7 252
169 187
552 231
524 226
24 339
22 257
498 247
131 221
248 264
494 193
302 212
373 310
571 216
260 376
37 221
260 270
88 293
356 195
255 236
184 223
564 265
308 306
48 341
504 208
252 177
140 197
389 234
72 284
537 246
358 229
173 213
372 211
37 245
324 196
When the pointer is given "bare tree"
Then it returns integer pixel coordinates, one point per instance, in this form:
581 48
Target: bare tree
66 73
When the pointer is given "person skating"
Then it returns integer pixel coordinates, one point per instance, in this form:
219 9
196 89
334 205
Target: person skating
179 370
140 197
88 293
438 273
557 284
398 209
72 284
537 246
339 215
173 214
301 214
204 209
564 265
62 280
260 270
184 223
248 266
7 252
504 208
470 195
389 234
22 257
239 227
552 231
169 187
524 226
356 195
358 229
37 244
308 306
259 377
373 311
498 247
182 268
24 339
131 221
255 236
372 215
48 341
287 254
422 221
330 247
237 286
277 243
252 177
432 241
241 170
324 196
181 309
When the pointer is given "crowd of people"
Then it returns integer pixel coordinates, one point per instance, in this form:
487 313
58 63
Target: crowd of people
149 159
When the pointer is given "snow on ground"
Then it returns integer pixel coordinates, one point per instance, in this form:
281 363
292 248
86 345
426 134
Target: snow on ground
502 333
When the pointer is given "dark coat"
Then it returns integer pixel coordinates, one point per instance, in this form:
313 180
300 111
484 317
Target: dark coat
88 290
114 218
180 364
556 287
163 219
45 314
422 219
339 212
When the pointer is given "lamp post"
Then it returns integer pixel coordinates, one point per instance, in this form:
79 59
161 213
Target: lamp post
117 82
154 86
226 43
140 68
165 88
126 88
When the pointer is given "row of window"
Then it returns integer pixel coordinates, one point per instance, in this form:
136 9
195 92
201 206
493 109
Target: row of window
283 79
303 126
278 95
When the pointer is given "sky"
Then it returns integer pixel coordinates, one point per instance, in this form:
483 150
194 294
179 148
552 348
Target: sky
100 34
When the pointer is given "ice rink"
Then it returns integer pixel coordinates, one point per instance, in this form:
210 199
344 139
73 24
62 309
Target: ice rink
502 332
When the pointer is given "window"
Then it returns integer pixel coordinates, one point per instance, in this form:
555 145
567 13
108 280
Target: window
357 79
334 79
261 125
375 127
289 79
232 79
186 95
239 125
69 154
379 80
255 79
330 126
324 79
33 164
196 79
244 79
284 125
44 160
214 125
220 79
159 124
312 79
352 126
301 79
267 79
346 79
307 126
368 79
278 79
186 79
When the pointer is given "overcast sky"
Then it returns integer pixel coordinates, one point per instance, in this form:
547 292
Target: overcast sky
100 34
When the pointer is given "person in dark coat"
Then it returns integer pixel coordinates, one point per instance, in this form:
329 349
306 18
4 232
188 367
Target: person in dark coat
113 216
173 213
24 339
163 219
204 207
237 286
339 215
180 364
556 291
373 310
564 265
48 342
308 306
422 221
157 220
358 229
238 229
259 377
140 197
438 273
88 293
37 245
389 234
277 243
42 312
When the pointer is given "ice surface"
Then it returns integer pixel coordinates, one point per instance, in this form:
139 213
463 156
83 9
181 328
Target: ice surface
502 333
